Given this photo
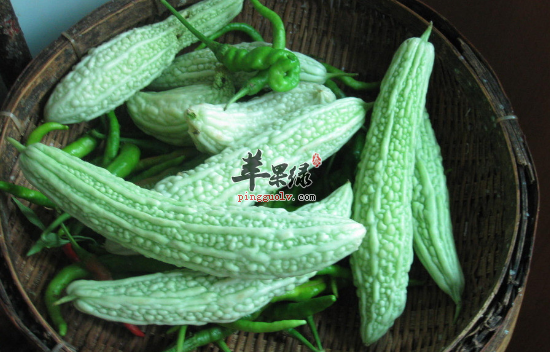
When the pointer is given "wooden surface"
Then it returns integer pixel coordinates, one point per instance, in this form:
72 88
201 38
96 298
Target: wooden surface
513 39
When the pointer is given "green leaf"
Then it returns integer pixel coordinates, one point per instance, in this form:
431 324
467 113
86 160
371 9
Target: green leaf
30 215
47 240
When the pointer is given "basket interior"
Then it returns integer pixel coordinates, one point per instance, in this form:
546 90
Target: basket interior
358 37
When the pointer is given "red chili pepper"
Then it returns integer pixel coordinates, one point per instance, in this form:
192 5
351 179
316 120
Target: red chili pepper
70 253
134 330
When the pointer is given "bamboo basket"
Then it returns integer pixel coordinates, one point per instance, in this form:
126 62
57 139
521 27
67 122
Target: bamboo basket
492 180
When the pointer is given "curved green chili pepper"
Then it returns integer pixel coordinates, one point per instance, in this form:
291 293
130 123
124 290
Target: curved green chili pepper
157 169
282 66
330 84
125 162
260 326
253 86
299 310
336 270
350 81
304 291
82 146
112 144
54 289
151 161
39 132
235 26
279 33
27 194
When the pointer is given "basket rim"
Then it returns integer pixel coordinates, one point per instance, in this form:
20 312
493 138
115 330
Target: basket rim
512 278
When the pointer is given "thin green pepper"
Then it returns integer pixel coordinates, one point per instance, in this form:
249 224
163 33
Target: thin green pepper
54 289
279 33
157 169
282 67
125 162
350 81
235 26
27 194
330 84
82 146
299 310
336 270
112 144
151 161
304 291
39 132
260 326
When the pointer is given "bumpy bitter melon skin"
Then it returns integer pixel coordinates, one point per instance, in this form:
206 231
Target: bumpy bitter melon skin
199 67
213 127
112 72
245 242
322 129
384 186
434 242
162 114
178 297
337 203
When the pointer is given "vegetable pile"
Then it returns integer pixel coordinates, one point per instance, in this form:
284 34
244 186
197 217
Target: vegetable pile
153 205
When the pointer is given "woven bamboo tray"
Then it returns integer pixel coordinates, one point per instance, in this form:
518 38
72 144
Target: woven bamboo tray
491 177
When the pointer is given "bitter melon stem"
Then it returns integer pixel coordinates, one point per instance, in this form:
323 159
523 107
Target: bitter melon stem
20 147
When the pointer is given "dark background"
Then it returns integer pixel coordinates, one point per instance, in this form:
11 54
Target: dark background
513 36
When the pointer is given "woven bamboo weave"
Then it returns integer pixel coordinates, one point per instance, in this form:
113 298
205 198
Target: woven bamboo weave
491 177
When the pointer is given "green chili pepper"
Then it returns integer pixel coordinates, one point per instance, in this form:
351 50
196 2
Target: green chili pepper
235 26
125 162
336 270
82 146
299 310
54 289
279 33
39 132
350 81
151 161
330 84
27 194
260 326
157 169
282 68
304 291
112 144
